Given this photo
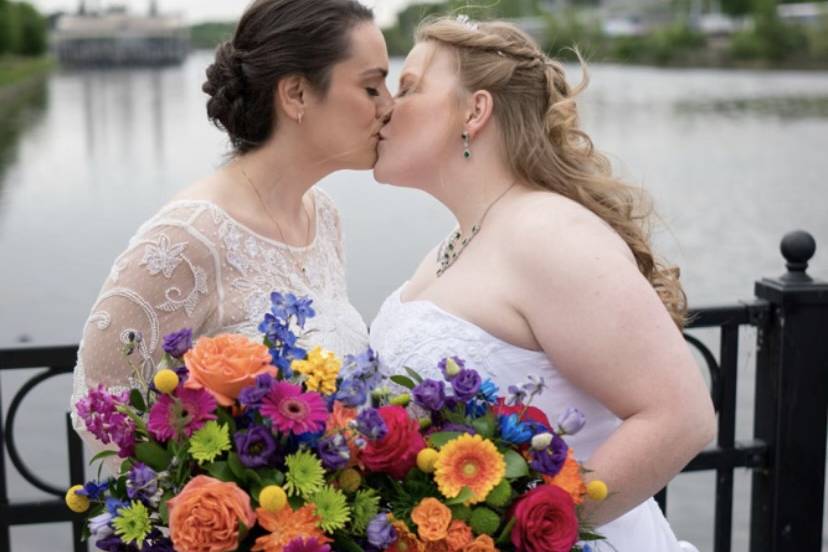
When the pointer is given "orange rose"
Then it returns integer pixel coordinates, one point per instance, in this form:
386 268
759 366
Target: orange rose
432 518
437 546
225 364
205 515
459 535
406 540
483 543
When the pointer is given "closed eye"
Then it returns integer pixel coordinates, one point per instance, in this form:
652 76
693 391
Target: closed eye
372 91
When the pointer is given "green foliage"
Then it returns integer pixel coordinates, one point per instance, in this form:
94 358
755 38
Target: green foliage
22 29
211 34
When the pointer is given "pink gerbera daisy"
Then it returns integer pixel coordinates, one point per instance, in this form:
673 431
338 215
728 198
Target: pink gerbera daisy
294 411
181 414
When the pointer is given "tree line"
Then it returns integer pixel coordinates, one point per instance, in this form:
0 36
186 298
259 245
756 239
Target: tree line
23 30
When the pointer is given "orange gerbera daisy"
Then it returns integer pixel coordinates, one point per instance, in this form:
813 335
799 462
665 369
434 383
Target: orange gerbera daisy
469 461
406 540
569 478
287 524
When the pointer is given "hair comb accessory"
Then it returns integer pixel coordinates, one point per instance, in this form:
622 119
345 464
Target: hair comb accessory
467 22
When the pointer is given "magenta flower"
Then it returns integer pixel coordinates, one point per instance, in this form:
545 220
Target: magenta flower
182 414
310 545
99 412
294 411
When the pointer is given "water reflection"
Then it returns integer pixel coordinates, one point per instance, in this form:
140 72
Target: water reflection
20 112
781 107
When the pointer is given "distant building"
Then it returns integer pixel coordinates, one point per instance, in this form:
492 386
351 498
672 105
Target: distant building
805 13
116 37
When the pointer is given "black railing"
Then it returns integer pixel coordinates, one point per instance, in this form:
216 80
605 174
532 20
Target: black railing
786 454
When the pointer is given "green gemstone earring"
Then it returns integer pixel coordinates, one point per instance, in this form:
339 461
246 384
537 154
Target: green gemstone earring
466 150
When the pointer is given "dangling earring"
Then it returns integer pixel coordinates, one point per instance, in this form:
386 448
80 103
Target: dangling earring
466 144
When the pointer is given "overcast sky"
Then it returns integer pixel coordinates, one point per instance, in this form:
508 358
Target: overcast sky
201 10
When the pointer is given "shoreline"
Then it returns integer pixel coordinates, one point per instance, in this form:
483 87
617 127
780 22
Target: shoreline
18 74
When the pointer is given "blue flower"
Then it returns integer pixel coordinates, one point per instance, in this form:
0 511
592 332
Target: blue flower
92 490
516 396
488 391
352 392
364 366
371 425
475 408
334 452
381 533
287 305
142 482
513 430
571 421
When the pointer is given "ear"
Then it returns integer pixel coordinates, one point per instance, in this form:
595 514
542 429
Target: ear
479 112
291 92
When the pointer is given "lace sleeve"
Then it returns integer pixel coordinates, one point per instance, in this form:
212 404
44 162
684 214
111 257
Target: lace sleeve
164 281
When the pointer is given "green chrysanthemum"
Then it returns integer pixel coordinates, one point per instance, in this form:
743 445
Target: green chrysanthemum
305 474
500 496
209 442
484 521
133 523
364 508
461 512
332 508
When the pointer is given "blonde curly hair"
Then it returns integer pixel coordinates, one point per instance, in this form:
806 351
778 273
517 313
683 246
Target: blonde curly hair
536 113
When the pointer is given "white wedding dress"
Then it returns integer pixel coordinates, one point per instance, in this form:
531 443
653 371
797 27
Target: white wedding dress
192 265
418 334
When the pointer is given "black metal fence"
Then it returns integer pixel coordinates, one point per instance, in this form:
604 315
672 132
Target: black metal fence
786 454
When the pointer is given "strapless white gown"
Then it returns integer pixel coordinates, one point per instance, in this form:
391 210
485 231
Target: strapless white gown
418 334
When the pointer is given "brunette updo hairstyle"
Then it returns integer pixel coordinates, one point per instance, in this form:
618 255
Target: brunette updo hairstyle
274 39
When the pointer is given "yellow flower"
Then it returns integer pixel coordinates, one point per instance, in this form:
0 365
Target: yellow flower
320 369
597 490
165 381
273 498
426 459
77 503
469 461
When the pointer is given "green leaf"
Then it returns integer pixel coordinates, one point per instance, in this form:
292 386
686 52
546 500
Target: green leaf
220 470
271 476
344 543
437 440
103 454
163 509
516 465
503 538
404 381
224 418
236 467
587 536
414 375
485 425
252 475
465 494
137 400
153 455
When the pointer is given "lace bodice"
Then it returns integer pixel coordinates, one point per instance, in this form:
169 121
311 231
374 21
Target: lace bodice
193 265
418 334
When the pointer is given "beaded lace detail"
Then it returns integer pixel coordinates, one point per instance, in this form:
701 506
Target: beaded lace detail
193 265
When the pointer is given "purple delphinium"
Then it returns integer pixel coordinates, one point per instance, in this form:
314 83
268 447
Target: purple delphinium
334 452
550 460
255 446
352 392
516 396
178 343
430 394
466 384
571 421
142 483
98 410
381 534
443 363
93 490
252 396
371 425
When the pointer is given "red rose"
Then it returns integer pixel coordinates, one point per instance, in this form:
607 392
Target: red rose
545 521
396 453
532 414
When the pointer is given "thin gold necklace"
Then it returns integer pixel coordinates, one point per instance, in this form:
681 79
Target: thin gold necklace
300 268
449 251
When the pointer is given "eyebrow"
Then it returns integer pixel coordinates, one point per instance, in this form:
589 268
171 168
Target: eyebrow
377 71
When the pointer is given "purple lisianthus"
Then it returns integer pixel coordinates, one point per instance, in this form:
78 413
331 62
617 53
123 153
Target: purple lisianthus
113 543
157 542
430 394
178 343
352 392
466 384
380 532
571 421
550 460
99 412
334 452
255 446
443 364
142 483
252 396
371 425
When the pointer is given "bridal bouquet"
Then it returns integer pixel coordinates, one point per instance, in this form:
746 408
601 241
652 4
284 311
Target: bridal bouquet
465 469
233 445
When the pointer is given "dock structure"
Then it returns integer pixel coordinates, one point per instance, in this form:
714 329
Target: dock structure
116 37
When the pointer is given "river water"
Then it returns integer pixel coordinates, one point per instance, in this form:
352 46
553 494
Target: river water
733 160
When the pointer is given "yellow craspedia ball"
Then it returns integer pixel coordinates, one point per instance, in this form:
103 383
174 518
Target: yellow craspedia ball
165 381
349 480
426 459
597 490
273 498
76 502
